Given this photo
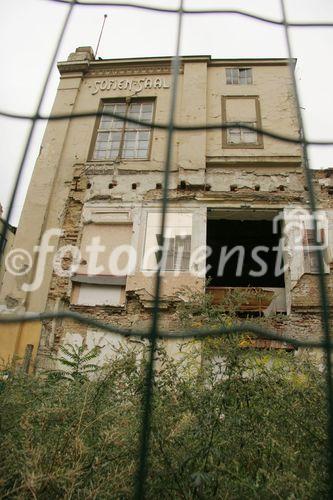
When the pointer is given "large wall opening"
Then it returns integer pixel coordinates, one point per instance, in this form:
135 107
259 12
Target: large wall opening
241 251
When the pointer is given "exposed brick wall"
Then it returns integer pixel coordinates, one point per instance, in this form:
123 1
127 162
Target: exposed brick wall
304 322
305 295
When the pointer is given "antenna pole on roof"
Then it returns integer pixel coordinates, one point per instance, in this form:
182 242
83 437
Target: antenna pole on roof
100 35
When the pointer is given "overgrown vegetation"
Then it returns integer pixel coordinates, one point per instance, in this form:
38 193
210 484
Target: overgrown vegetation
227 423
76 363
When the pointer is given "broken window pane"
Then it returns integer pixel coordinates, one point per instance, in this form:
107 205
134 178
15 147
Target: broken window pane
239 76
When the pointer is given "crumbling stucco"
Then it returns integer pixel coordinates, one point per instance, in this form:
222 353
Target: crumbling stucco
69 191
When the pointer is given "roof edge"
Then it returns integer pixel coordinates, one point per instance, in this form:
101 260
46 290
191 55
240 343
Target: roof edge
83 58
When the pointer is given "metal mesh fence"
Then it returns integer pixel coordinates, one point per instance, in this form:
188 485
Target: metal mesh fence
170 127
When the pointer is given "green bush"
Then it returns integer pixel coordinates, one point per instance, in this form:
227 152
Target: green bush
227 423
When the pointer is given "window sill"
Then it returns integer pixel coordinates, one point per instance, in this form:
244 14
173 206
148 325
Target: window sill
118 161
178 271
242 146
99 279
85 308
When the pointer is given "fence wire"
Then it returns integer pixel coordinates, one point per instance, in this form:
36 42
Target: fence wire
155 332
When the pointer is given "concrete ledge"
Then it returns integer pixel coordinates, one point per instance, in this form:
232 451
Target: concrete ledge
99 279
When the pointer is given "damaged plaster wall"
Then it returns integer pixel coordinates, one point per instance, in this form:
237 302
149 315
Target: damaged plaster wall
71 191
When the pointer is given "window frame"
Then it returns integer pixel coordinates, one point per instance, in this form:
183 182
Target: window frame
128 101
238 78
259 144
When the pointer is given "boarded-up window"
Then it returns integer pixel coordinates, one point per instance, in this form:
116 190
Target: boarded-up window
176 251
243 110
97 295
103 254
109 237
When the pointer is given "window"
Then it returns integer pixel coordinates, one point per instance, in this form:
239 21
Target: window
236 238
237 135
241 110
117 138
239 76
235 245
176 254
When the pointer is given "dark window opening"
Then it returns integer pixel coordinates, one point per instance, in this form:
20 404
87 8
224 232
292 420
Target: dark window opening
242 240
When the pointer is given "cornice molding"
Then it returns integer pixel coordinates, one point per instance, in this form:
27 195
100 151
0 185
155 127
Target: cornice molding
255 161
132 70
159 65
73 67
252 62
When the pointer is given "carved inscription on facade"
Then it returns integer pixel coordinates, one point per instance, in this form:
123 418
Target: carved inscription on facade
135 85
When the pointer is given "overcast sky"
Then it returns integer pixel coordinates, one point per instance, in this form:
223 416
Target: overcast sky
29 30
